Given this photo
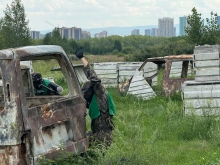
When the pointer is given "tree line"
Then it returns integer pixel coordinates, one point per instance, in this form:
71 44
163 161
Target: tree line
14 32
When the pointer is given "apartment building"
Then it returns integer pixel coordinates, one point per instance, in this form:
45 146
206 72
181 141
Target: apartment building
165 27
147 32
86 35
101 34
135 32
182 25
154 32
68 33
35 34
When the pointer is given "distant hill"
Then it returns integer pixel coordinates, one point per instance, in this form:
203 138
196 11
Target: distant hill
121 31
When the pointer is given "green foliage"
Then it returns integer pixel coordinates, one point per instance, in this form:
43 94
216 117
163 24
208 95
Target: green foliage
198 33
14 27
117 45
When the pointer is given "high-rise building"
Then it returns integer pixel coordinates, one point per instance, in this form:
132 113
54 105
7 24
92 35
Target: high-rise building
68 33
154 32
101 34
165 27
182 25
35 34
135 32
147 32
218 20
86 35
174 31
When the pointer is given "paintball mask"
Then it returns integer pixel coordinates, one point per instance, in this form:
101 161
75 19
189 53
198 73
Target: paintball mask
87 91
37 79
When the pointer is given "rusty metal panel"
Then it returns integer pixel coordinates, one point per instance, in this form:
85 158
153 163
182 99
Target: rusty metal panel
31 127
55 124
11 124
201 98
6 54
107 72
170 85
140 88
37 51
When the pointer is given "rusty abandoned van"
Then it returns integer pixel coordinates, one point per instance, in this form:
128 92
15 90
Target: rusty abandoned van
35 126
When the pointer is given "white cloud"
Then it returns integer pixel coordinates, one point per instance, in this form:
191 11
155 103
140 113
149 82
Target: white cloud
99 13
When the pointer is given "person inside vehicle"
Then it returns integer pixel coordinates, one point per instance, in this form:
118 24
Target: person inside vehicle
44 86
99 102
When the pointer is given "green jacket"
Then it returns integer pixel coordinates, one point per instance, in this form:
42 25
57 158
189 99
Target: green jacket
94 111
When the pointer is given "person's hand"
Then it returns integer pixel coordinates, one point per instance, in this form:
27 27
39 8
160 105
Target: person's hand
79 52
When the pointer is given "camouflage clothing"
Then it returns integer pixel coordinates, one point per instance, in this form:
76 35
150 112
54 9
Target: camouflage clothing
101 126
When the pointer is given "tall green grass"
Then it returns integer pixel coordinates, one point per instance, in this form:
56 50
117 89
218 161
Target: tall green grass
154 132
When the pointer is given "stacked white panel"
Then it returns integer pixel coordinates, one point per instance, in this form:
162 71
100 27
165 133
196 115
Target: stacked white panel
201 98
206 63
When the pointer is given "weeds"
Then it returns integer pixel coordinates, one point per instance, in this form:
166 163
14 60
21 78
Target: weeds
153 132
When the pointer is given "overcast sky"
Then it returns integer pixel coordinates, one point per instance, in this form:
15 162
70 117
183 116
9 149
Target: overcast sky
88 14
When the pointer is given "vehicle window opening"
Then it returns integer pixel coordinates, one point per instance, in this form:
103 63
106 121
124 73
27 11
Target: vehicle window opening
52 85
181 69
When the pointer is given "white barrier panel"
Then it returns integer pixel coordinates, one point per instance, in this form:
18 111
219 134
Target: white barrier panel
201 98
206 63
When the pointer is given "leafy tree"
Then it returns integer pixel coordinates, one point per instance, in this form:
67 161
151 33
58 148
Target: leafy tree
198 33
46 40
195 28
14 26
211 29
117 45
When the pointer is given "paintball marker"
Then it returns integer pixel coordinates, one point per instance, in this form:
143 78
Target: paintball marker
51 90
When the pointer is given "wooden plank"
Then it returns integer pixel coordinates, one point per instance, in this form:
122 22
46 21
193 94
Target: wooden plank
206 56
137 80
101 72
129 66
142 92
150 72
143 83
202 111
126 73
201 103
201 87
207 78
134 88
206 49
201 94
105 66
207 63
107 81
103 76
207 72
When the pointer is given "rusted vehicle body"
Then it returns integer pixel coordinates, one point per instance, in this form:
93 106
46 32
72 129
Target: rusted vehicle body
35 126
171 84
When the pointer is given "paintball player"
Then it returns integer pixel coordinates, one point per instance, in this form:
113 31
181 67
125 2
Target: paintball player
99 102
45 86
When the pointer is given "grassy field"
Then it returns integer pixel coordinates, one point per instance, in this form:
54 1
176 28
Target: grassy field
155 132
